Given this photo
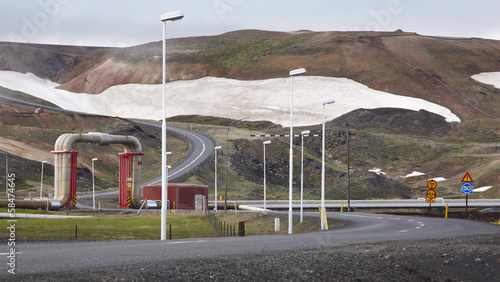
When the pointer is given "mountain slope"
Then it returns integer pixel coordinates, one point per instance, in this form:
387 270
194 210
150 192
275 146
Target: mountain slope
397 141
400 63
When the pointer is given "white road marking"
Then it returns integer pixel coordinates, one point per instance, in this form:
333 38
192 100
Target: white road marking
363 216
185 242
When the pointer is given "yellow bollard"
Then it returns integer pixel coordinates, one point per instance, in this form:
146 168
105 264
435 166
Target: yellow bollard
342 207
326 219
446 212
98 206
235 208
320 212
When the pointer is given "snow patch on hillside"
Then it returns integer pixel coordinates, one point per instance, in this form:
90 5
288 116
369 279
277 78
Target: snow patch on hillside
491 78
413 174
221 97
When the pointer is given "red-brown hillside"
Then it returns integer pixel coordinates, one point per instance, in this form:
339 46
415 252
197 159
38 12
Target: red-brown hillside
401 63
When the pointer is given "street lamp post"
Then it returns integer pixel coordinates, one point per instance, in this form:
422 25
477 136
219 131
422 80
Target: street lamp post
93 185
227 153
265 201
302 175
348 168
326 102
290 181
6 175
172 16
164 199
41 181
216 148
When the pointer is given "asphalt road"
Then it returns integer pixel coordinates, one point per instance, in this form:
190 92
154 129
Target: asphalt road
79 257
201 150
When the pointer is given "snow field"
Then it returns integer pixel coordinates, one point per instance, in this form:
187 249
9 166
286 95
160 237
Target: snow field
221 97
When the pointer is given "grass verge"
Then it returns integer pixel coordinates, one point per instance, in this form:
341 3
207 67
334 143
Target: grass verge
146 226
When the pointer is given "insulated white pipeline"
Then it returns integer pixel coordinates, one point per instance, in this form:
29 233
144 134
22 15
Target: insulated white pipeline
62 166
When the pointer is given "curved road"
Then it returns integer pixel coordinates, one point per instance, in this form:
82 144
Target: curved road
84 257
201 150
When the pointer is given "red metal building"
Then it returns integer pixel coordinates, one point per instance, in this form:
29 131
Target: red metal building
182 196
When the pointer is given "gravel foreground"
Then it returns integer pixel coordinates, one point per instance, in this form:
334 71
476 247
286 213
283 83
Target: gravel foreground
474 258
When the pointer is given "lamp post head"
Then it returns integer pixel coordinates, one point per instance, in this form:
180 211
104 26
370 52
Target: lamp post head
44 162
218 148
267 142
94 159
168 153
297 72
305 132
172 16
329 101
327 120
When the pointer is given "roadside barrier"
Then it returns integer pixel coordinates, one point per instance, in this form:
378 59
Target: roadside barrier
225 229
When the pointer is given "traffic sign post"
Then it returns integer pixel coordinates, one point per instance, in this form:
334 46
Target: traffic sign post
467 188
467 178
431 193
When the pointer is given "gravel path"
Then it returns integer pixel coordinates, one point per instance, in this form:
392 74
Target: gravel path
474 258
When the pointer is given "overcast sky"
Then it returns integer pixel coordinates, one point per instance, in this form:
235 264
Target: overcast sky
133 22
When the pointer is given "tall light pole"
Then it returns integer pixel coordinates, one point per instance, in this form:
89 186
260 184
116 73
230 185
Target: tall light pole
227 154
265 201
41 181
164 199
302 174
172 16
326 102
290 182
93 184
6 175
216 148
348 168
